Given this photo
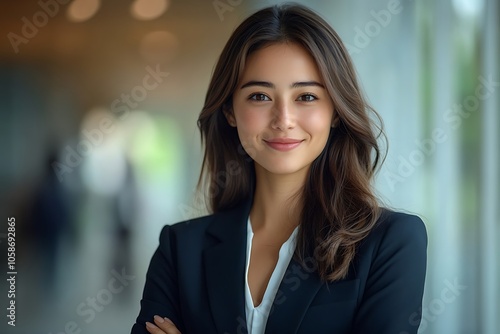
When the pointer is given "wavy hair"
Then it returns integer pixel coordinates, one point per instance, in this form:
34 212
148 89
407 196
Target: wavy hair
338 206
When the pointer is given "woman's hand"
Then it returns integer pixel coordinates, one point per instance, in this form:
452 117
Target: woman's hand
162 326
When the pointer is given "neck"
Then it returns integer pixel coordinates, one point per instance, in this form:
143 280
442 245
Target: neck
277 198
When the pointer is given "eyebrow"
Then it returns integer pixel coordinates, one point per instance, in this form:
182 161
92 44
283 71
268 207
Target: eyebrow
271 85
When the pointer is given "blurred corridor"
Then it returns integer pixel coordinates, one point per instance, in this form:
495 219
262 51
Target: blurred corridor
100 148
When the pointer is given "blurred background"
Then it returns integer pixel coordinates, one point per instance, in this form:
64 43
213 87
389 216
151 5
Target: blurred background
100 149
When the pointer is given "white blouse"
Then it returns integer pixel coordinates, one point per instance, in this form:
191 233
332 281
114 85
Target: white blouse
257 316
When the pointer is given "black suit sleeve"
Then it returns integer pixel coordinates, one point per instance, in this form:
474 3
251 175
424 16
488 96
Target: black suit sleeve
392 301
161 295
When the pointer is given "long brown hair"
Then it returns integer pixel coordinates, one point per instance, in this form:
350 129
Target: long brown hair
338 206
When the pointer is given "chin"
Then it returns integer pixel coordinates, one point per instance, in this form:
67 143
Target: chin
283 168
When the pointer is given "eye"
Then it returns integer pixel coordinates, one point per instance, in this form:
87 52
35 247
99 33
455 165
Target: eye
259 97
307 98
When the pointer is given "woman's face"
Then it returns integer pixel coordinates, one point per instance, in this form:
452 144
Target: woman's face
281 109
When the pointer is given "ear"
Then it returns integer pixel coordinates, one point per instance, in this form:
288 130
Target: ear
228 113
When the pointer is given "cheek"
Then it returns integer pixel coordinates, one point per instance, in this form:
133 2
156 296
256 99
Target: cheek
250 122
319 123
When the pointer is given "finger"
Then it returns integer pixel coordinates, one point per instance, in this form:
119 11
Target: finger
153 329
166 325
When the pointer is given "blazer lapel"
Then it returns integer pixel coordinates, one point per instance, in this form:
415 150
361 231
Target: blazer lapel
225 269
295 294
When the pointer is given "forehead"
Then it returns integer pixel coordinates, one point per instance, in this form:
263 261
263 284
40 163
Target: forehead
281 62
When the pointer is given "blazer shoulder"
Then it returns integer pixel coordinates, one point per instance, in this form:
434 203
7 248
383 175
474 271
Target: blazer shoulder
400 222
187 227
219 221
397 228
194 223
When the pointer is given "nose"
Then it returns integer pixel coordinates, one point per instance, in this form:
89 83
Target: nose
283 116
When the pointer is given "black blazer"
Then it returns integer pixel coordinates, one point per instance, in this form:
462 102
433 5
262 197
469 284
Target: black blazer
197 278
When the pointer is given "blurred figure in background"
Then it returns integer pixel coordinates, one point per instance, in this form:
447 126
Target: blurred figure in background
49 222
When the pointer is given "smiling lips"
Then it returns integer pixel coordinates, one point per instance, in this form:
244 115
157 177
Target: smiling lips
283 144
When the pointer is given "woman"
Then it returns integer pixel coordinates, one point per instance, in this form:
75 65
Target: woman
297 242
